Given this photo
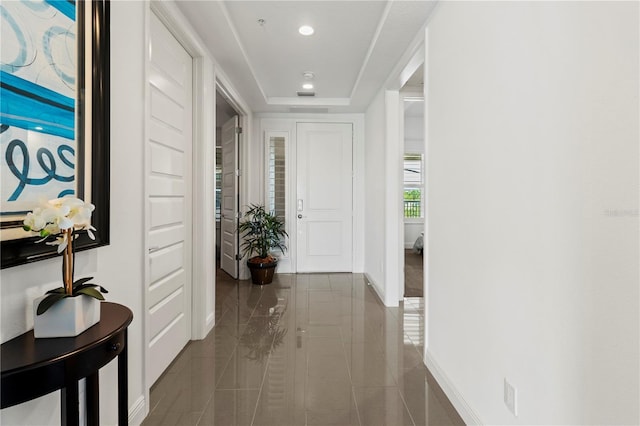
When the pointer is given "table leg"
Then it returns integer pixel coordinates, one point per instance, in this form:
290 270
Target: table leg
69 404
123 385
92 398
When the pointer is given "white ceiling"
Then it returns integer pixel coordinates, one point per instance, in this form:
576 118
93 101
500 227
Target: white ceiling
354 49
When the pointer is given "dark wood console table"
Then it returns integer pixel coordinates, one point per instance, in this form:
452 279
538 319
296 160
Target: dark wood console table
35 367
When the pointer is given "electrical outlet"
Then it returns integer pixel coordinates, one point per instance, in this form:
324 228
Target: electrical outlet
511 397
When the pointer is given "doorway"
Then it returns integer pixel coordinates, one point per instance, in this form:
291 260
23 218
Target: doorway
413 184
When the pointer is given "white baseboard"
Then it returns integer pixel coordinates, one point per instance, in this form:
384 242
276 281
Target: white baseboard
461 406
210 322
375 286
138 411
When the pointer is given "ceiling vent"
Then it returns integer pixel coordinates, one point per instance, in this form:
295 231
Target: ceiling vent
309 110
306 93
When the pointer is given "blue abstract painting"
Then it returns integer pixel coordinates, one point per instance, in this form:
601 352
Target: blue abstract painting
38 102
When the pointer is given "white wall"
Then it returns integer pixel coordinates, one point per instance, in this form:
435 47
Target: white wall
533 208
374 190
117 267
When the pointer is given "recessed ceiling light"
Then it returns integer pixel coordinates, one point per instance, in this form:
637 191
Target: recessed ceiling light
307 86
38 128
308 75
305 30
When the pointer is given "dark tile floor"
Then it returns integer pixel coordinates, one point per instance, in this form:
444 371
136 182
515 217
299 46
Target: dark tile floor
309 349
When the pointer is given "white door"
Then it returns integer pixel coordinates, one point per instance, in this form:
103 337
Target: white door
169 201
229 205
324 197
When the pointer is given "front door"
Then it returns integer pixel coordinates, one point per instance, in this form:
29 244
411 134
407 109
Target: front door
229 205
324 197
168 170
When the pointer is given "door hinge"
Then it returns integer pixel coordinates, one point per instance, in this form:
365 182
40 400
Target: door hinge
238 130
238 257
238 172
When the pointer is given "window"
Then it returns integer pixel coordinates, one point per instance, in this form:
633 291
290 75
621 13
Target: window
276 178
413 186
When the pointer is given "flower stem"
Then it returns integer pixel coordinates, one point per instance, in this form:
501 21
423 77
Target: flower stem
67 261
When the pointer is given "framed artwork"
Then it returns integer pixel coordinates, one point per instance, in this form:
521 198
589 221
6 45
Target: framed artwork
54 117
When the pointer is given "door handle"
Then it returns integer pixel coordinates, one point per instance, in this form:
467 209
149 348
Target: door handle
300 216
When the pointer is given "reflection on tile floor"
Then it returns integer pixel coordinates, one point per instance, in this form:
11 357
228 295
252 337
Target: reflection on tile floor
309 349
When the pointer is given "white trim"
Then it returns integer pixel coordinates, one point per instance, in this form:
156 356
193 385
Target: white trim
459 403
412 57
425 195
230 95
234 32
138 411
203 238
146 323
372 45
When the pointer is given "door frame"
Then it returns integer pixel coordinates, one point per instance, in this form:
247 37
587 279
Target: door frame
414 56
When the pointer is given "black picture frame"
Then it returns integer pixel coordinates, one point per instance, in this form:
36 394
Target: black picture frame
25 250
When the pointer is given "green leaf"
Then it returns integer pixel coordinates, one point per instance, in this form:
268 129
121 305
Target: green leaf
81 281
49 301
91 292
56 290
89 285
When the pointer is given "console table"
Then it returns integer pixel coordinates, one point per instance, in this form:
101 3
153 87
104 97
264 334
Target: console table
35 367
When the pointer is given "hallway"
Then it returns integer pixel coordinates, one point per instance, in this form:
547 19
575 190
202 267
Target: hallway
312 349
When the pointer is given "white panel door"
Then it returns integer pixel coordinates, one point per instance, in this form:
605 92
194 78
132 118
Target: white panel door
324 197
229 205
169 165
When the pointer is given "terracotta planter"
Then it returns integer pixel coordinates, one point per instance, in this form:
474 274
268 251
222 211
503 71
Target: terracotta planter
262 273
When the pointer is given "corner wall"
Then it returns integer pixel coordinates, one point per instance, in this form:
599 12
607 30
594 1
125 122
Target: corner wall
533 208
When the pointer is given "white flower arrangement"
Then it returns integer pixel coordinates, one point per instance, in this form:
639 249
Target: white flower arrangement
60 218
59 215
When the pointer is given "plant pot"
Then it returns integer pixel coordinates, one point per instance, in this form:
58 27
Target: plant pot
67 318
262 273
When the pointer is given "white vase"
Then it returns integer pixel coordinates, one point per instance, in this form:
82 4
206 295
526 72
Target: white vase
67 317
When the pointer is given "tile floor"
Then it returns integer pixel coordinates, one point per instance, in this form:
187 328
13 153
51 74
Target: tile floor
309 349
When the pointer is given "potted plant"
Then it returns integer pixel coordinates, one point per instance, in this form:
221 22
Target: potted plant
262 231
75 306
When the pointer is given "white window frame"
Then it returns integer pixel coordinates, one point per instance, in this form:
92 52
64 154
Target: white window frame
420 186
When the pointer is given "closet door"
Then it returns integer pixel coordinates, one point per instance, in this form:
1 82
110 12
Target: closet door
169 203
